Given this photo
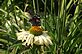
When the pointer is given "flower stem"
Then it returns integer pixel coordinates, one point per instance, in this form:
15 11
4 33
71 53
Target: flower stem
34 6
42 50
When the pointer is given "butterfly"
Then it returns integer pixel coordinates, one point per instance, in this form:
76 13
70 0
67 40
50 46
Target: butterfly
35 21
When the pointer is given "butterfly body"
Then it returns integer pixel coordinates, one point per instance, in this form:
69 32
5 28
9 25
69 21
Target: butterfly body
36 26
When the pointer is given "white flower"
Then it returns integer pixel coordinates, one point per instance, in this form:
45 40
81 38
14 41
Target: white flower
29 39
26 37
43 39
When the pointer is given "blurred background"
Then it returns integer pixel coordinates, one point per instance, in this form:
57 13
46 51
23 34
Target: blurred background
61 18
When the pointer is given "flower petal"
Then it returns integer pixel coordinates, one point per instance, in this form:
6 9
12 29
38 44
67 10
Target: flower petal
45 41
36 40
40 40
49 41
30 40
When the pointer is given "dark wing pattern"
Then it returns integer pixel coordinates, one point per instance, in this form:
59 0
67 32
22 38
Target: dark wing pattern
35 20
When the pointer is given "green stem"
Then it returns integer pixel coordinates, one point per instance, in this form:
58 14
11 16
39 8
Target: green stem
51 6
45 12
42 50
37 7
34 6
26 5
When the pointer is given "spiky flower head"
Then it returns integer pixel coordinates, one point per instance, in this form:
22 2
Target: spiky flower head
29 39
35 35
36 26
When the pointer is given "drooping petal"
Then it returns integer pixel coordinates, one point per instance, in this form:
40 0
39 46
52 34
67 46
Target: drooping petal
48 38
49 41
30 40
45 41
40 40
36 40
26 37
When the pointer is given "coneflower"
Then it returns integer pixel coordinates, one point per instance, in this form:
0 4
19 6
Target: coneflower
36 35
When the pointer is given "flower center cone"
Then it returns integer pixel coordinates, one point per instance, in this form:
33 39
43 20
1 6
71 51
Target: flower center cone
36 30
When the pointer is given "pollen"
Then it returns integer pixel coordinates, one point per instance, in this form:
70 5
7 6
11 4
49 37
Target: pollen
36 30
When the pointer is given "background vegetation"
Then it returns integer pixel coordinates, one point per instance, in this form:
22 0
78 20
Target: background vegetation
62 19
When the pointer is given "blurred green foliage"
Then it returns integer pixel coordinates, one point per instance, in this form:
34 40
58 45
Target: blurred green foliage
62 19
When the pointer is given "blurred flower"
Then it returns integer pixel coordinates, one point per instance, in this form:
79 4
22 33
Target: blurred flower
36 30
26 37
30 39
35 35
43 39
